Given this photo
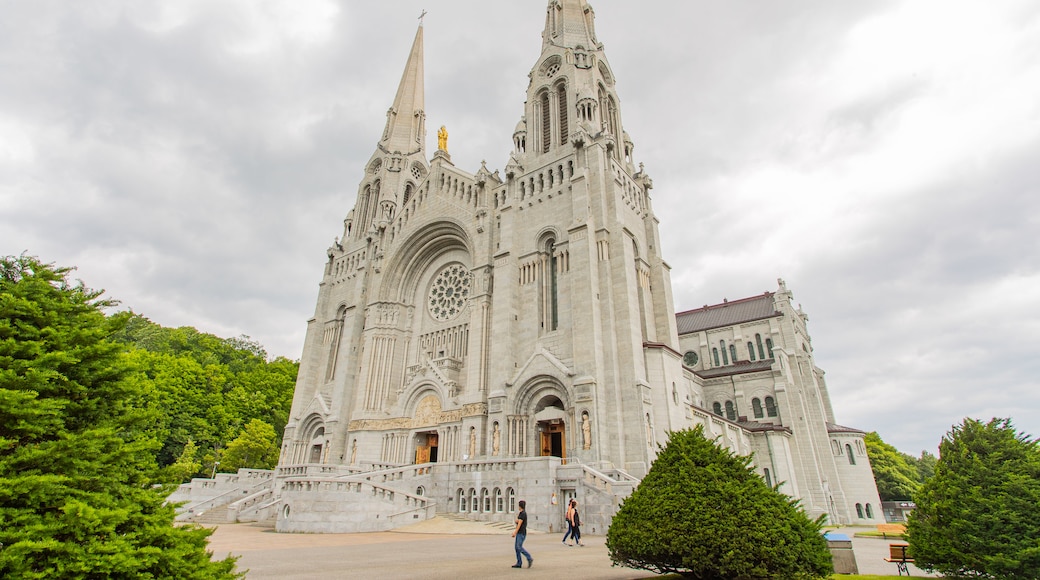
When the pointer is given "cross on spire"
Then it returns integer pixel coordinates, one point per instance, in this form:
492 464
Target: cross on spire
421 16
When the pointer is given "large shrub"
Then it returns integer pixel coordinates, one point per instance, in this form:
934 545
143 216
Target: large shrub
702 512
977 517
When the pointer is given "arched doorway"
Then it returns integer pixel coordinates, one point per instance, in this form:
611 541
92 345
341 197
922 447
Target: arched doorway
550 420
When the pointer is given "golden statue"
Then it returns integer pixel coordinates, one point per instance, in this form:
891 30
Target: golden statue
442 139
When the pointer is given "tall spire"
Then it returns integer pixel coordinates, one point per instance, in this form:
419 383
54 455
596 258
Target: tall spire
406 120
569 23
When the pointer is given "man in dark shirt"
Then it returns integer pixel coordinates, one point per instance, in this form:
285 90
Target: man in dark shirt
520 533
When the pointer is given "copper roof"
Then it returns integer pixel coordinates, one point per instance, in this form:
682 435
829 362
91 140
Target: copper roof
736 369
726 314
834 428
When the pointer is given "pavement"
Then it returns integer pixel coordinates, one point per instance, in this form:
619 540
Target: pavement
448 549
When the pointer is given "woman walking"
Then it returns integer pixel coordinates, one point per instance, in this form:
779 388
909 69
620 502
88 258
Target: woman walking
576 523
570 526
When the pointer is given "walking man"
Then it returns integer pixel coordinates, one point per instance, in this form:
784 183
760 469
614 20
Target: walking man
520 533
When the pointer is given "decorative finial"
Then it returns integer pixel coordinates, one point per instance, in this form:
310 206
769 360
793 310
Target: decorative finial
442 139
421 16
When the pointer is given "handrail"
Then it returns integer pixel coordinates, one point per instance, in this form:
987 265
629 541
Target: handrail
193 507
429 505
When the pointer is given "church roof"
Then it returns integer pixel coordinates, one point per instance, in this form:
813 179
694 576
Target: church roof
835 428
726 314
741 367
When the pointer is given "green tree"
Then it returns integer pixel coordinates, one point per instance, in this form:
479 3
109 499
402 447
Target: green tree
255 448
206 388
925 465
704 513
896 477
186 466
977 516
76 461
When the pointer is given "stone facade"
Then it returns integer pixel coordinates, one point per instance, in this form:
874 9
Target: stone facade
481 338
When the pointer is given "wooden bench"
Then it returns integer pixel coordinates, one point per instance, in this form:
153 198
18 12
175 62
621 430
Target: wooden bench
894 529
897 554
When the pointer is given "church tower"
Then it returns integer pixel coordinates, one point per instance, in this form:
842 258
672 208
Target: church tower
593 329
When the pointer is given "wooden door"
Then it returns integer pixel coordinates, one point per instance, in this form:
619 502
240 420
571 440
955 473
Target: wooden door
422 454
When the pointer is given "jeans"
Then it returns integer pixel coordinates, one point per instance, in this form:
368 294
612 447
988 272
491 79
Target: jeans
519 545
570 532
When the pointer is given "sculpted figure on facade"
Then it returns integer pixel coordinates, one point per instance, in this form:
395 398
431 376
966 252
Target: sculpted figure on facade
442 139
586 431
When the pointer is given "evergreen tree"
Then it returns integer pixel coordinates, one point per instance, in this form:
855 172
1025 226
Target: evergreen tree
896 477
76 499
977 516
702 512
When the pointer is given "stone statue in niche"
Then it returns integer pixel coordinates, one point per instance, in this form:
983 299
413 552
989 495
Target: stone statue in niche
353 453
472 442
496 440
586 431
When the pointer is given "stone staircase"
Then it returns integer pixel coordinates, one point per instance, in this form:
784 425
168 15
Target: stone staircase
211 517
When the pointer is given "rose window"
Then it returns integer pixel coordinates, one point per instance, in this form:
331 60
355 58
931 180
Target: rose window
449 292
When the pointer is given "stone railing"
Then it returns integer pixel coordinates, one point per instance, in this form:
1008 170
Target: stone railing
309 469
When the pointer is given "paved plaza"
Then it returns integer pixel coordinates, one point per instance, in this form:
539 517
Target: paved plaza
445 549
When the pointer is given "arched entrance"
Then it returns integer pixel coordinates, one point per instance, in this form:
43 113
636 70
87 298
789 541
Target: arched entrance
550 421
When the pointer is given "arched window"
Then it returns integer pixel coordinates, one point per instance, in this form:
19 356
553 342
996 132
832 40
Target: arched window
553 286
717 407
715 354
485 498
511 498
859 510
770 407
561 95
407 194
474 506
731 411
769 480
733 353
462 500
870 512
499 503
761 353
852 457
751 350
756 407
769 347
546 123
725 354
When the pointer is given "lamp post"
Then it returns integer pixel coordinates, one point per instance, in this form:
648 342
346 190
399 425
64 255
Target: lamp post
215 464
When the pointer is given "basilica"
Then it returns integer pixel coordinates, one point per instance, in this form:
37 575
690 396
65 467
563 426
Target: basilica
490 336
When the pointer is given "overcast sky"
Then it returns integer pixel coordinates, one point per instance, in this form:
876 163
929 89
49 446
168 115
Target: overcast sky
195 158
